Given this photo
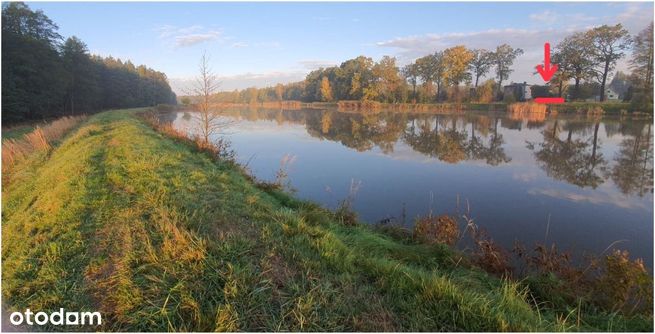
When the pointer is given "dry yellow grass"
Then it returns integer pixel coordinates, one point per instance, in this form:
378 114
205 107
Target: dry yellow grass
527 110
41 138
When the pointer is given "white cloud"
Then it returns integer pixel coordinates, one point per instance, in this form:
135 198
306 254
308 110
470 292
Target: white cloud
239 45
270 45
240 81
187 36
546 16
634 17
193 39
314 64
599 197
530 40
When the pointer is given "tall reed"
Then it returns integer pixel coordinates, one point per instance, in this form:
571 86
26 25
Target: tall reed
526 108
40 139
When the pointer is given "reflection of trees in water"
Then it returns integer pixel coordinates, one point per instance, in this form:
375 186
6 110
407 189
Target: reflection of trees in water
446 143
450 144
493 153
358 131
444 137
633 171
576 161
569 151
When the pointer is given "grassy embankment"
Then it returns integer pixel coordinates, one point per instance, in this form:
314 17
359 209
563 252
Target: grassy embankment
158 236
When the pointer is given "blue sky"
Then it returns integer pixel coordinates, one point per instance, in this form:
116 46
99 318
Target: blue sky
264 43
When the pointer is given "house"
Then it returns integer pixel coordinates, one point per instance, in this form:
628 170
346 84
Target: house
610 94
520 91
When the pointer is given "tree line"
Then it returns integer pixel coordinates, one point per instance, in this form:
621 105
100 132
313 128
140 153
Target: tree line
44 76
586 62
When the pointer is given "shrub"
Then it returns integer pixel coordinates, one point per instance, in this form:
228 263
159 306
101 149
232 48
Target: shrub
442 229
489 255
624 285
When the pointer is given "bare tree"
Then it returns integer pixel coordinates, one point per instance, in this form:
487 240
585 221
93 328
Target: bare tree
205 85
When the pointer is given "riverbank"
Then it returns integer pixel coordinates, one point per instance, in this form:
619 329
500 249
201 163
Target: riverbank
605 108
158 236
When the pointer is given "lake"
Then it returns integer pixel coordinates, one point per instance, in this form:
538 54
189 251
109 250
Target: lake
582 182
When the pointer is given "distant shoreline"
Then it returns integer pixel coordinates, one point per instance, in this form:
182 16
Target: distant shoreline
606 108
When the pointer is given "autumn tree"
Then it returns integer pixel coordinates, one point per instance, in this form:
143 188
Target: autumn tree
480 64
641 65
326 90
573 57
387 80
503 59
456 62
411 72
431 68
279 92
485 92
608 45
353 77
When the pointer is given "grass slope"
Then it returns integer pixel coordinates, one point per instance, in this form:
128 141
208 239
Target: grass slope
158 237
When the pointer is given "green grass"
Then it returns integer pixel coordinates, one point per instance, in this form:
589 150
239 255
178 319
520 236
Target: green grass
608 107
158 237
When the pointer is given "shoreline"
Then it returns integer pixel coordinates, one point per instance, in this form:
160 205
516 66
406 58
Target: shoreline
166 227
604 108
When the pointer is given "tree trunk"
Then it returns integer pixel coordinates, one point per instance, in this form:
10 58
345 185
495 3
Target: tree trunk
555 129
602 84
593 151
414 95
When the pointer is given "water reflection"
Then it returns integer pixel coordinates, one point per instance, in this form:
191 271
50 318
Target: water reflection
633 168
576 174
576 161
570 148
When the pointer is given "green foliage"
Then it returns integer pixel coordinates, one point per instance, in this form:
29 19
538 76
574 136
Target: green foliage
608 45
45 78
503 59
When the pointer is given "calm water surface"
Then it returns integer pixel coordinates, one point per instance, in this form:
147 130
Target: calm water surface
581 182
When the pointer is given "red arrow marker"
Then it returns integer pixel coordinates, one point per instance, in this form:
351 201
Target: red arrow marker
549 100
547 70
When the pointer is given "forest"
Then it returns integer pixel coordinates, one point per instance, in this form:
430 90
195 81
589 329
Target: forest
45 76
587 62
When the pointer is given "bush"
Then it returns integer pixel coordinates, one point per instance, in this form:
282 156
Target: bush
442 229
624 285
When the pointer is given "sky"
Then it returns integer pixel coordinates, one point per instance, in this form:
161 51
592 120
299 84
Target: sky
262 44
